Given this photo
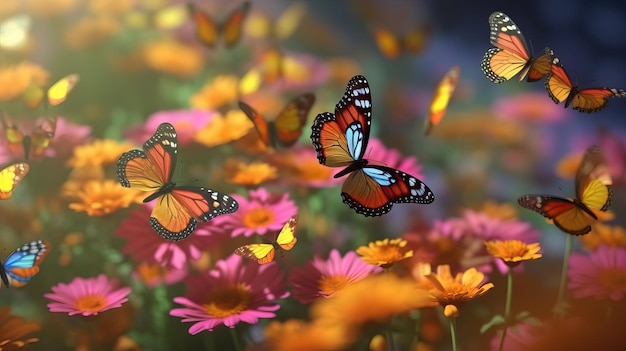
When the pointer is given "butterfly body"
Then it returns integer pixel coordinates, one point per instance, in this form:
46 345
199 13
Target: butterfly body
22 264
34 143
209 31
264 253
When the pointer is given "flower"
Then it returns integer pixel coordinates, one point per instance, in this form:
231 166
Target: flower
118 8
451 291
99 152
322 278
249 174
528 106
14 80
385 253
171 57
99 198
299 165
261 213
306 336
67 136
90 31
513 252
153 274
393 158
186 122
220 91
601 274
569 164
606 235
13 329
221 130
502 211
87 296
235 291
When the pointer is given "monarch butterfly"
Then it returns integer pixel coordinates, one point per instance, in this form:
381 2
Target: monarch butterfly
440 100
209 32
34 143
264 253
10 177
560 88
510 56
178 208
340 140
23 263
391 45
56 94
593 192
286 129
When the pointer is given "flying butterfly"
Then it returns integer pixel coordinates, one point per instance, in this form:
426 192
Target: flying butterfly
209 31
261 26
264 253
178 208
55 95
510 57
10 177
286 129
560 88
392 45
440 100
23 263
35 143
340 140
593 193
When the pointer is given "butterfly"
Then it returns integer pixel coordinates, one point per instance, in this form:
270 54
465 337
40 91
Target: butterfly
209 32
56 94
440 100
340 140
178 208
261 26
10 177
23 263
264 253
286 129
391 45
34 143
593 193
510 56
560 88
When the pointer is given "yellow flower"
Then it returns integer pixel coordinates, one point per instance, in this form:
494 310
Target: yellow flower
13 329
378 343
14 80
220 91
306 336
174 58
223 130
91 31
385 253
99 198
254 173
78 177
606 235
420 272
513 252
454 291
100 152
50 8
568 165
504 211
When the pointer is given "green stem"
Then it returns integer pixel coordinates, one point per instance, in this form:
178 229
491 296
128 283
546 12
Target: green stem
390 339
453 332
418 325
233 334
507 306
560 301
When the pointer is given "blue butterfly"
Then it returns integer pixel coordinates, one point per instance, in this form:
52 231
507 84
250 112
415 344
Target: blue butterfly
23 263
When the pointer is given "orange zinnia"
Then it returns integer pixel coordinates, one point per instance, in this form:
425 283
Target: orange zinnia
606 235
13 329
385 253
451 291
14 80
99 152
99 198
513 252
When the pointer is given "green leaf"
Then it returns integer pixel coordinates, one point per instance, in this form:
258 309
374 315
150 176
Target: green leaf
495 321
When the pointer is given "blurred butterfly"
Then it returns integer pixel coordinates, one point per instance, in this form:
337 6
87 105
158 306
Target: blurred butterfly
560 88
262 27
34 143
391 45
510 56
340 140
593 193
23 263
209 32
286 129
178 208
10 177
440 100
161 17
56 94
264 253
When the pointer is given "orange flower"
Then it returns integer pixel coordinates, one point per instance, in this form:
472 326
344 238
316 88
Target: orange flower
91 31
569 164
220 91
173 58
13 329
99 152
99 198
78 177
253 173
14 80
223 130
304 336
605 235
513 252
504 211
385 253
451 291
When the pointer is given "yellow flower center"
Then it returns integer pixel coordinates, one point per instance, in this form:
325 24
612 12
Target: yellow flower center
258 217
329 285
613 279
91 303
226 301
389 254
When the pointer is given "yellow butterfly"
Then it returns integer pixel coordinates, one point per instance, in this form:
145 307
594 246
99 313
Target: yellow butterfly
264 253
56 94
10 177
392 45
439 103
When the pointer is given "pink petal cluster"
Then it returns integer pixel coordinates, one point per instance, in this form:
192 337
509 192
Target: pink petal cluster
600 274
186 123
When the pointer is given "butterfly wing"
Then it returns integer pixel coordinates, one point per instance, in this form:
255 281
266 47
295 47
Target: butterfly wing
593 180
415 40
260 123
440 100
387 42
292 118
58 92
570 216
286 238
594 99
23 263
206 29
14 136
10 177
40 138
232 28
539 68
262 253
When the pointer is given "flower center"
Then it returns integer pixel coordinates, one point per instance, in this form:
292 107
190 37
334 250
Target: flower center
91 303
329 285
258 217
227 300
613 279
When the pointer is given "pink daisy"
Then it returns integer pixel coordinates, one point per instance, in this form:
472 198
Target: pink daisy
235 291
490 228
528 106
186 123
87 297
323 278
601 274
261 213
378 152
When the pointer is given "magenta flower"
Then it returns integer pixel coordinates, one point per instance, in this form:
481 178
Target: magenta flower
87 297
67 136
186 122
320 278
261 213
235 291
548 335
377 152
528 106
153 275
491 228
600 274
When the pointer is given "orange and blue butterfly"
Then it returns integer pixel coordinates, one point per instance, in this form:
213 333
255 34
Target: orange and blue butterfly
209 31
593 193
35 143
510 57
178 208
392 45
264 253
286 129
10 177
23 264
560 88
340 140
439 103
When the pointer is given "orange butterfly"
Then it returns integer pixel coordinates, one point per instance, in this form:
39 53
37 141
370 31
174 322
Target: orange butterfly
264 253
10 177
286 129
440 100
209 32
35 143
178 208
391 45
